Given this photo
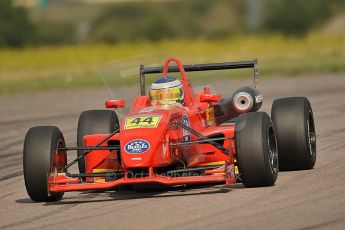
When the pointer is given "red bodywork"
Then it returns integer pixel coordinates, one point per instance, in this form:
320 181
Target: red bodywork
150 147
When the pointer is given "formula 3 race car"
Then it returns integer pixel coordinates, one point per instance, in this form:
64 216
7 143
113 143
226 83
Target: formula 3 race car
208 139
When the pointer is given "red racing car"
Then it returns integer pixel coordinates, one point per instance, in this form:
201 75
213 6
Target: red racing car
174 136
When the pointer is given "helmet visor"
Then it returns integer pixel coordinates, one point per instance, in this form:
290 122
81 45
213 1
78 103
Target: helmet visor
166 95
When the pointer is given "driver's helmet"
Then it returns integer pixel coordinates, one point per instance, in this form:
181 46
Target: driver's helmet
166 90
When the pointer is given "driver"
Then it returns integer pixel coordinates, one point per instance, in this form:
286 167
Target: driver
166 90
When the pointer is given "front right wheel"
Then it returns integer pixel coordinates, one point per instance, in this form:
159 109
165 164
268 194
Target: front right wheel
256 149
43 159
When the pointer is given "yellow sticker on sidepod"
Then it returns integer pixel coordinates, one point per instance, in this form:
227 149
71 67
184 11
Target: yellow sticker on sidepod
136 122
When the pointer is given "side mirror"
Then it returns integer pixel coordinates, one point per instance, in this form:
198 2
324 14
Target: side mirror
120 103
210 98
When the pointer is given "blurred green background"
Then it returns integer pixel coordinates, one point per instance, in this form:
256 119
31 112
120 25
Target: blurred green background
46 44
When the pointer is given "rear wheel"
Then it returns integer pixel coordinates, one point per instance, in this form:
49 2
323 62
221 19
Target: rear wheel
256 149
94 122
295 128
42 160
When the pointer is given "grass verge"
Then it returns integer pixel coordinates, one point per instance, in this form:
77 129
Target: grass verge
45 68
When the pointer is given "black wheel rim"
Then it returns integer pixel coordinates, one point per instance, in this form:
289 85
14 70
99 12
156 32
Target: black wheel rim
272 150
311 136
58 161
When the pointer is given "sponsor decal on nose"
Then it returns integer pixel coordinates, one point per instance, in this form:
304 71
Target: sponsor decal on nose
137 146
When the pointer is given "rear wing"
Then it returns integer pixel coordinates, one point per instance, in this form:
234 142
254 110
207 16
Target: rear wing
201 67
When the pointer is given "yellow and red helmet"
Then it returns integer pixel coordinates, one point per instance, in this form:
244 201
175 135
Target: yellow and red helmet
166 90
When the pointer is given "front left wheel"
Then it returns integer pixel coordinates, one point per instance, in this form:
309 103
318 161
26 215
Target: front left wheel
43 159
256 149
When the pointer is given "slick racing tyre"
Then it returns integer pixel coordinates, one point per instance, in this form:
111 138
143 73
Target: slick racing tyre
295 129
94 122
256 149
42 160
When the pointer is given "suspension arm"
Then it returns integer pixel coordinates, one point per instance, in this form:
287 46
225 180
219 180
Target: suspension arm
203 138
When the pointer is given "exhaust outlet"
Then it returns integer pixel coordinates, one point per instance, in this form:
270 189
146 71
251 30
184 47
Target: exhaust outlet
242 102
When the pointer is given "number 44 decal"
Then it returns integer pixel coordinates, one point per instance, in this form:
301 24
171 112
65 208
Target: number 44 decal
148 121
139 120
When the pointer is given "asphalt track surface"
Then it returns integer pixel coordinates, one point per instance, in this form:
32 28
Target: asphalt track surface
313 199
